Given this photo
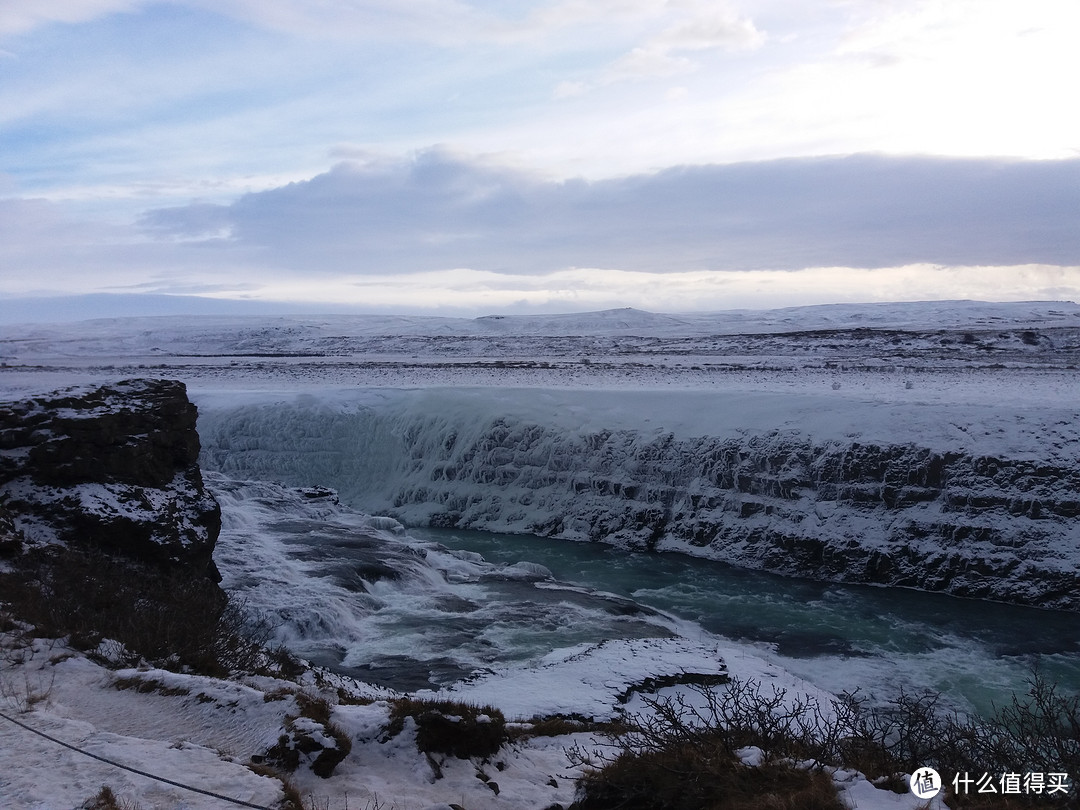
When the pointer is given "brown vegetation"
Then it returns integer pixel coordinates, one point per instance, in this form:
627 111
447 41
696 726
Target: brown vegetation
685 754
460 730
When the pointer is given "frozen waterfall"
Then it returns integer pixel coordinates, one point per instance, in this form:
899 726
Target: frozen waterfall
954 498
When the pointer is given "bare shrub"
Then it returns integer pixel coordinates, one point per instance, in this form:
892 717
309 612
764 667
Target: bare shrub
279 662
678 737
737 717
1040 732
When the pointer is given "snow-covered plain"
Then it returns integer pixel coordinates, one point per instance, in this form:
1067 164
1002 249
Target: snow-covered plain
997 379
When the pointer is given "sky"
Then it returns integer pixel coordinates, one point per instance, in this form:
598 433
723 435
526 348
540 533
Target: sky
480 156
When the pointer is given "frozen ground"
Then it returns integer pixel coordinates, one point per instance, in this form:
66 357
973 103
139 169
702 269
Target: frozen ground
952 351
203 733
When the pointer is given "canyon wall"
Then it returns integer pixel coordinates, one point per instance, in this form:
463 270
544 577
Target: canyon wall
974 524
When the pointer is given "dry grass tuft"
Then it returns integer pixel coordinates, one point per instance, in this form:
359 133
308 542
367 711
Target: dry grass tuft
461 730
106 799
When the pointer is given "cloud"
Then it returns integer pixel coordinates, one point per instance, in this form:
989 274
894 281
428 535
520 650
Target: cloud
677 37
46 248
440 210
21 16
189 94
710 27
442 233
444 21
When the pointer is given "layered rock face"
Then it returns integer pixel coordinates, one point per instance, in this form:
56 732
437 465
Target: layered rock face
114 467
975 526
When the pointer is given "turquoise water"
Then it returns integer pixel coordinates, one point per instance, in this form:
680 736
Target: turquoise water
838 636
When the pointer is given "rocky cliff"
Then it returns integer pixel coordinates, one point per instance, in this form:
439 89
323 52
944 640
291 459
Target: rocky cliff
893 515
976 526
113 467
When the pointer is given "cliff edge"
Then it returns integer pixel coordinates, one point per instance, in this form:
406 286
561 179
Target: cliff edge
113 468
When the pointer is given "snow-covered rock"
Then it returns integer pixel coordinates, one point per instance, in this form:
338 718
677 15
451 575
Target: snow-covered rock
969 525
115 467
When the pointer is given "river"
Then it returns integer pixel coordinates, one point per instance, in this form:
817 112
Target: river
837 636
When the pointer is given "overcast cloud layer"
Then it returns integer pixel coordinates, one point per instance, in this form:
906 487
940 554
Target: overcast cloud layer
439 212
421 154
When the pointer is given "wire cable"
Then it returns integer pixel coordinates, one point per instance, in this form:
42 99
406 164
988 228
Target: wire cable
210 793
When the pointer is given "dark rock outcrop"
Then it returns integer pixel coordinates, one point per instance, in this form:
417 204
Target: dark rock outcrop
10 537
115 468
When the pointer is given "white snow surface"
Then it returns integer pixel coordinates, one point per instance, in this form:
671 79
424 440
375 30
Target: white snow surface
960 374
203 734
176 334
199 739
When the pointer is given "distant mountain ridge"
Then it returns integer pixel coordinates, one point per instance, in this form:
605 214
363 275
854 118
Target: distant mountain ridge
128 332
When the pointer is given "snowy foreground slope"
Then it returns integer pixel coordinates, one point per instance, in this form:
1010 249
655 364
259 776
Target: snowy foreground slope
201 732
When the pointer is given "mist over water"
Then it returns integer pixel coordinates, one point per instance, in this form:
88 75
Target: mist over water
360 596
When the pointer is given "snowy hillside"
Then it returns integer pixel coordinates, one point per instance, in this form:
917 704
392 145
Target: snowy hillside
993 328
